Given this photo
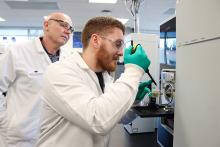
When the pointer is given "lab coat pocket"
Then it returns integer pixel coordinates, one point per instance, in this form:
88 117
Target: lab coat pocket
35 80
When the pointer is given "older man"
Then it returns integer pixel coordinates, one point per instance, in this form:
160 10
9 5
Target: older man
21 71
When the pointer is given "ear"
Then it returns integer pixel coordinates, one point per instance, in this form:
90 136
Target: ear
46 25
95 41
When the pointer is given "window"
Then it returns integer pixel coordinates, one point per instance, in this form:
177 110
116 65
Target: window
168 48
168 42
8 35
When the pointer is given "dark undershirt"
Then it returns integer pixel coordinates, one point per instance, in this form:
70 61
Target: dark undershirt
52 57
101 80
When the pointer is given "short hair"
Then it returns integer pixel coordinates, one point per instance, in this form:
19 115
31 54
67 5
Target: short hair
100 25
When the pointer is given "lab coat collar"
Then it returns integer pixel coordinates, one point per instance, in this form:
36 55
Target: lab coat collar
39 46
79 60
40 49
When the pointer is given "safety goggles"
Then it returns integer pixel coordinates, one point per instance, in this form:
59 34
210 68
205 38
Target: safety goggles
119 43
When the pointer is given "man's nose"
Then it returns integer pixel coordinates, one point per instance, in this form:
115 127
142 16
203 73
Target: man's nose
120 52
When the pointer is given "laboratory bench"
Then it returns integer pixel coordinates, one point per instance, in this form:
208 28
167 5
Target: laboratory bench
154 111
165 123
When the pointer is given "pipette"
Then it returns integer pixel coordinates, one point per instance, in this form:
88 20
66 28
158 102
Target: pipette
133 51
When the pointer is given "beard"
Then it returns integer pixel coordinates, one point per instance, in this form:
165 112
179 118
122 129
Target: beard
105 60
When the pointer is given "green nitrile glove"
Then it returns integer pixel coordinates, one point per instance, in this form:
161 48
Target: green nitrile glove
139 57
143 90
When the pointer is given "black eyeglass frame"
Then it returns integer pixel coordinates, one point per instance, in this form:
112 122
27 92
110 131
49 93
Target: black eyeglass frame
63 24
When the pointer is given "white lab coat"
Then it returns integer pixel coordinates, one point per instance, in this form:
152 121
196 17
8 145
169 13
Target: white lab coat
21 72
75 111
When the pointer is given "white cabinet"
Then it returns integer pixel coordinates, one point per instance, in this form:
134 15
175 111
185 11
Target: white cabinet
197 74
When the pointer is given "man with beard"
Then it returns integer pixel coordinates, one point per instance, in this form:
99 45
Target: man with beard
21 72
81 103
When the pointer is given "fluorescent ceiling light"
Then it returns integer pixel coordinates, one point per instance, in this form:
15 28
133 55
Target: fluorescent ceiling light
122 20
103 1
2 19
18 0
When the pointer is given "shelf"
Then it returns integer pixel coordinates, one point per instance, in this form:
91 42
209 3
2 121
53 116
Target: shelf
157 111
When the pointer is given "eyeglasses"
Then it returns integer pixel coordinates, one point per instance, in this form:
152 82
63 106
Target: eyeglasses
118 43
64 24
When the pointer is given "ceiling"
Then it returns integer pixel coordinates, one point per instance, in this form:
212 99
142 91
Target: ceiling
25 14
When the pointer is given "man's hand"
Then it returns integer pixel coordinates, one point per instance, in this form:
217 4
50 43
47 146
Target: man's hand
143 90
139 57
